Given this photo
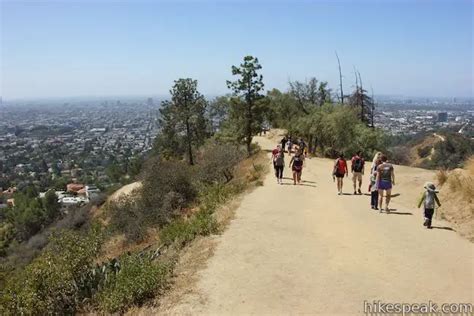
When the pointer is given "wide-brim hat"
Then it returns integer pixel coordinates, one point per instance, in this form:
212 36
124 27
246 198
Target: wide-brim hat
430 186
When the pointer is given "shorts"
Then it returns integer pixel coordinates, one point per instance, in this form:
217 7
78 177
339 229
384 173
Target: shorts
297 170
384 185
356 176
339 175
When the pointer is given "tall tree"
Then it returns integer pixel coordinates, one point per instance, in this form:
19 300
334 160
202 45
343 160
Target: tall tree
310 93
305 93
247 89
218 112
360 100
182 120
324 93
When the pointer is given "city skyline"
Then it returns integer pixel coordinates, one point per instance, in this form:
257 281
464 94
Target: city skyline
104 49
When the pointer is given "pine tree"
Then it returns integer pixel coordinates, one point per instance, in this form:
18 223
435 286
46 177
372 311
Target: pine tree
182 119
247 92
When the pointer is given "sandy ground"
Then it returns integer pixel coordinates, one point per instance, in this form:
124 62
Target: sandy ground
306 250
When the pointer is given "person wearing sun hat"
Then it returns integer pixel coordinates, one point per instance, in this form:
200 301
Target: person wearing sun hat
429 198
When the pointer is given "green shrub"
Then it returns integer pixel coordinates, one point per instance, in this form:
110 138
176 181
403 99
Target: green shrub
181 231
452 152
162 178
217 162
212 196
127 216
424 152
52 283
139 278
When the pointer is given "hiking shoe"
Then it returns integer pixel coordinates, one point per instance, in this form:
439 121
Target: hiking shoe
355 193
387 210
425 222
360 192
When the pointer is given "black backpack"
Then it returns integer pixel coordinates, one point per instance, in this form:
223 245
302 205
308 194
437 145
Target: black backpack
358 165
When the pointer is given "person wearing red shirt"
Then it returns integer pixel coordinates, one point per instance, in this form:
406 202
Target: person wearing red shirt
339 170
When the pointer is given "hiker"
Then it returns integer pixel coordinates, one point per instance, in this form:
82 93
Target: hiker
374 193
279 163
274 154
303 147
357 169
289 144
283 143
385 181
376 158
339 170
296 164
429 198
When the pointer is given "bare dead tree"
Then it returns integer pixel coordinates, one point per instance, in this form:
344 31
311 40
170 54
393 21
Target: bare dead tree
372 112
361 94
340 79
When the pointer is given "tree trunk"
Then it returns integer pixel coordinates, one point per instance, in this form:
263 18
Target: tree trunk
249 126
190 149
315 145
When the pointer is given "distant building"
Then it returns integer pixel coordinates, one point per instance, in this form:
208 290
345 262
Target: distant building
91 191
75 187
149 102
442 117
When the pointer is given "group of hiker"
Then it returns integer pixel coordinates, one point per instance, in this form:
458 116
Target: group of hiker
382 175
300 150
382 178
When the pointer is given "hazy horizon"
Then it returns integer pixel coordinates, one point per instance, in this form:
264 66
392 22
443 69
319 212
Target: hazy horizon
103 49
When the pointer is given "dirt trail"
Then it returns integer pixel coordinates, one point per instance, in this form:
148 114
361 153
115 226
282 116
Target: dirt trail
306 250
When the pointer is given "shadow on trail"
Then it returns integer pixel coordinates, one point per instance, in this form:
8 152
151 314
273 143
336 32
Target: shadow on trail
394 211
302 184
391 196
444 228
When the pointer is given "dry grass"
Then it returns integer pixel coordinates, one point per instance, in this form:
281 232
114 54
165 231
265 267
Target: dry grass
469 166
457 198
414 158
442 176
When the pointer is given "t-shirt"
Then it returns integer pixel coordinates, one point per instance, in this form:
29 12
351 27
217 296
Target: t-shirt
279 159
297 162
385 170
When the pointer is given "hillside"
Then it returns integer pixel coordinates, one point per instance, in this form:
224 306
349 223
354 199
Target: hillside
443 150
457 196
304 250
423 151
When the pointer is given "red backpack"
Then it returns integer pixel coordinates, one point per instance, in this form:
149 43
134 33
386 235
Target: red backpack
341 166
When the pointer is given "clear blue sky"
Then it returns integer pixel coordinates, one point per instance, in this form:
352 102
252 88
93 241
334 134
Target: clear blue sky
103 48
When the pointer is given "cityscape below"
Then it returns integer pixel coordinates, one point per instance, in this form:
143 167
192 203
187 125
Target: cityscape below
86 143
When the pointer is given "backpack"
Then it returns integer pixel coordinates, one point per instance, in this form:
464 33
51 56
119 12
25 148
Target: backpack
340 166
358 165
279 160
